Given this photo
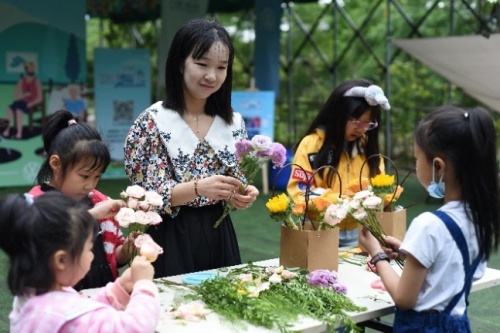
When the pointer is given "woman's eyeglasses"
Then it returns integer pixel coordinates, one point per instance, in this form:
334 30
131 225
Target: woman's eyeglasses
363 125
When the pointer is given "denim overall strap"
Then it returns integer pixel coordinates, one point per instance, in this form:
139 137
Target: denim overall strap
469 269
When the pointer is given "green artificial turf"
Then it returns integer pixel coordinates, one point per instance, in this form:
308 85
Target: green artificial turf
259 237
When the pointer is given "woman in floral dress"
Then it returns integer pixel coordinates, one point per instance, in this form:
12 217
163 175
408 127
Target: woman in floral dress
183 148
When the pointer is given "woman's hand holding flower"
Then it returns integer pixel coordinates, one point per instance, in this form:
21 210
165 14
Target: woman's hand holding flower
218 187
246 199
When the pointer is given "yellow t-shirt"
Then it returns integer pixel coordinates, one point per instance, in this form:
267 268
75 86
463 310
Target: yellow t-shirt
349 169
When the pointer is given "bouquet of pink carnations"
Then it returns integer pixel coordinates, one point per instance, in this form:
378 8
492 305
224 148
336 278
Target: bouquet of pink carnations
251 155
138 216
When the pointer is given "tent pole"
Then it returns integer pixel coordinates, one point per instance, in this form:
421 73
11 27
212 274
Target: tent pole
388 85
289 67
451 33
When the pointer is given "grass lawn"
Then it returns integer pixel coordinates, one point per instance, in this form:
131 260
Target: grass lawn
259 237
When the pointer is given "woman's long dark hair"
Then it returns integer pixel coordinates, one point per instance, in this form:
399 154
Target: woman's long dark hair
466 139
333 118
195 39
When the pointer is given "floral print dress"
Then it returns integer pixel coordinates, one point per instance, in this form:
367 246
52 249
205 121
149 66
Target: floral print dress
161 151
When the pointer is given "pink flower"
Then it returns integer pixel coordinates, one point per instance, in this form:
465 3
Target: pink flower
125 217
278 154
361 195
264 154
193 311
132 202
143 205
335 214
261 143
360 214
243 147
286 274
147 247
153 218
275 278
245 277
135 191
153 199
141 217
372 202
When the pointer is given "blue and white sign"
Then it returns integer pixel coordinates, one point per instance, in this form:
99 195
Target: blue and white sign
122 84
257 109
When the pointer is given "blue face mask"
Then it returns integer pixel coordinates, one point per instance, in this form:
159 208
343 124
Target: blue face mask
436 190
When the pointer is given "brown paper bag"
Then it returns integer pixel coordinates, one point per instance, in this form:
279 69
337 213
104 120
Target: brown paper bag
309 249
393 223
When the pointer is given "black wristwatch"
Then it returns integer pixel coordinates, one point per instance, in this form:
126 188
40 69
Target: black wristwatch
379 256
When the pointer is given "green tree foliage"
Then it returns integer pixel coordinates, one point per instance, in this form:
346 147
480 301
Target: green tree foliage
327 42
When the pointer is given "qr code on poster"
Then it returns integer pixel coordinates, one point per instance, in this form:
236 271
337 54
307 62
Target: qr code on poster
123 110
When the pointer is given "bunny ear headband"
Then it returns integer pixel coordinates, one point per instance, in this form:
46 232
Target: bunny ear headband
374 95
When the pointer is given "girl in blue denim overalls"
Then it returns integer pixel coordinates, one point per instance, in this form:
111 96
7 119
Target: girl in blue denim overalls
445 250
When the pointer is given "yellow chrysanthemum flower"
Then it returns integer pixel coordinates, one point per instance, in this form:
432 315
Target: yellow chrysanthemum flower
382 180
278 204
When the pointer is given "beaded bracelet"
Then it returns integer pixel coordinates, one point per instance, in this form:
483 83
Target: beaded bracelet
196 188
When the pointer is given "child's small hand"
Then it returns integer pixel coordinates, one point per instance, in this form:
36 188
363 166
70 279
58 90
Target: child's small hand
125 280
368 241
142 269
106 208
128 246
393 251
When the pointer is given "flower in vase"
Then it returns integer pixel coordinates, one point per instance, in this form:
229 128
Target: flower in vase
283 209
251 155
315 212
280 209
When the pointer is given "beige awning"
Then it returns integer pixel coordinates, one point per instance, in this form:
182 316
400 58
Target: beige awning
470 62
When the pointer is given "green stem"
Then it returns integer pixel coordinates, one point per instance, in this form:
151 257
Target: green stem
290 223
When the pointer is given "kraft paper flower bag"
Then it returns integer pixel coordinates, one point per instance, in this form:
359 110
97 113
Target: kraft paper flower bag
309 239
392 218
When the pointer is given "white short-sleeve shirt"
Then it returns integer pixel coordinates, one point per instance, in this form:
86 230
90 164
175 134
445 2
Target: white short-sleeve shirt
430 242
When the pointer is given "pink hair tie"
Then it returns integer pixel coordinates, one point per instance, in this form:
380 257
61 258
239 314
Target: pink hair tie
71 122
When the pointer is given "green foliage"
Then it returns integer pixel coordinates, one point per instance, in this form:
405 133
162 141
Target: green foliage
329 45
278 307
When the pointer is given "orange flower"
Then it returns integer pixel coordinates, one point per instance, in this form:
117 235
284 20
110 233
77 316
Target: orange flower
388 197
298 208
321 203
353 185
315 210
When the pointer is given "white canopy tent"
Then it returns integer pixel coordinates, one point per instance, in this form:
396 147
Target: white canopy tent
470 62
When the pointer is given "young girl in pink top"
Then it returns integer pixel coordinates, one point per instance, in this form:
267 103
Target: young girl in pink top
76 159
49 243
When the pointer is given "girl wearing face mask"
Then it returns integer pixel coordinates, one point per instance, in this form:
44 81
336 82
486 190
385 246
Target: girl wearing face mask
447 249
343 135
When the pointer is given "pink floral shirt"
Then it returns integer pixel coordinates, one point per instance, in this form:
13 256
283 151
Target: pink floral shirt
110 310
161 151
